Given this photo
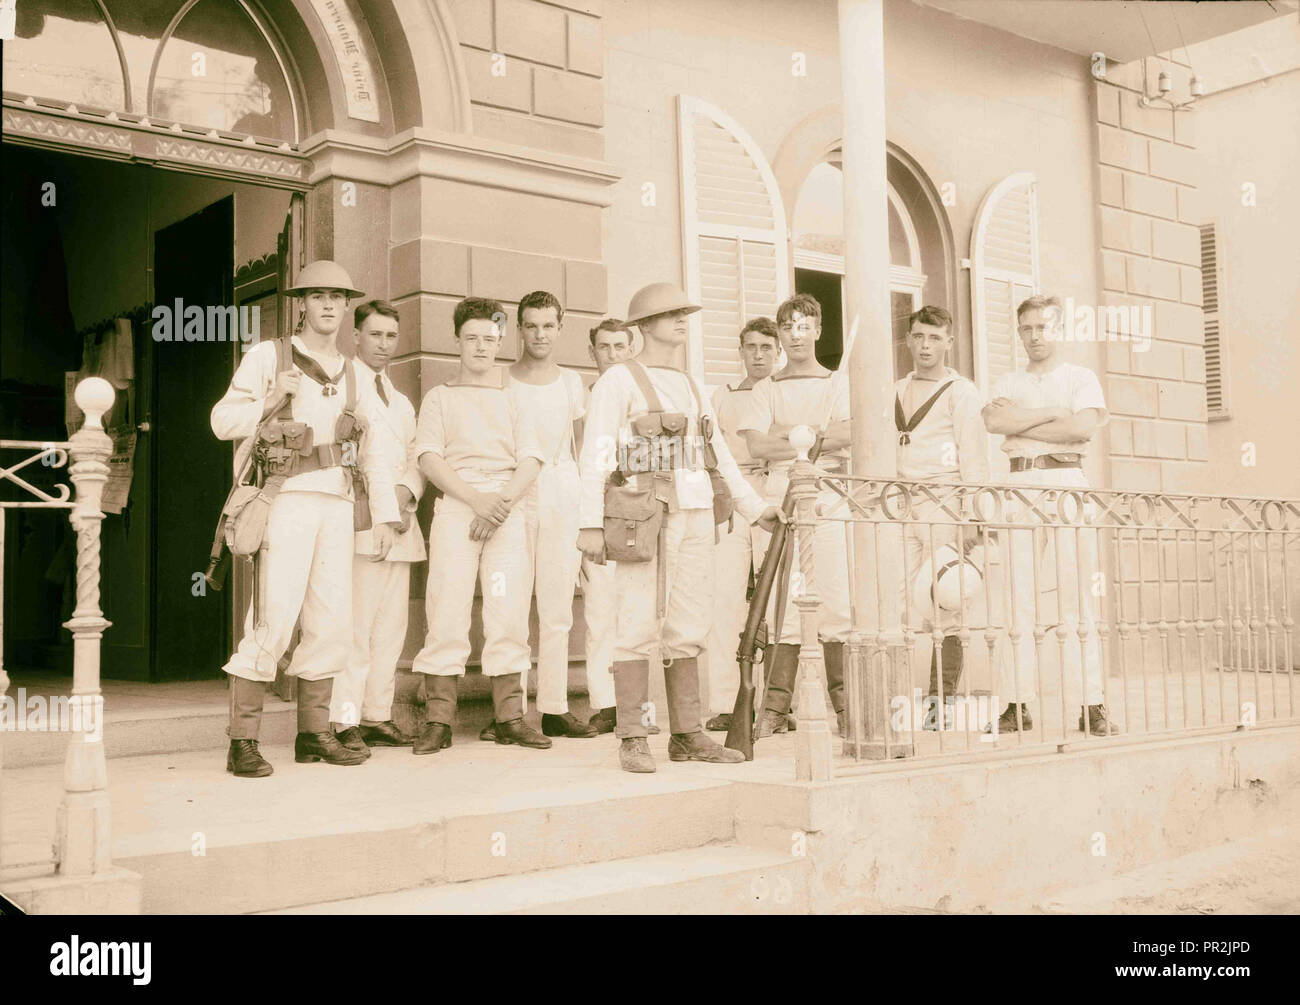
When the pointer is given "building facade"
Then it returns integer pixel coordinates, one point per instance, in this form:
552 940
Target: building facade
444 148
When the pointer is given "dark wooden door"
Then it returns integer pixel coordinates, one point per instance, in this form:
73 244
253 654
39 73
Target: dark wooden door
193 262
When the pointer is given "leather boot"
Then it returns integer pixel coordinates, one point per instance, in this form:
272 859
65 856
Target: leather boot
324 746
1099 722
780 684
634 755
605 720
245 761
720 723
518 731
568 725
351 738
434 736
386 734
246 700
682 684
631 693
698 747
1007 722
833 654
952 662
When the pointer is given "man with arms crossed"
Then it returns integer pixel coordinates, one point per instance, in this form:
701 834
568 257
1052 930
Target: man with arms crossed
1048 414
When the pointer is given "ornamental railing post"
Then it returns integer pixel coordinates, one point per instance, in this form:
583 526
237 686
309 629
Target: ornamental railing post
82 828
813 753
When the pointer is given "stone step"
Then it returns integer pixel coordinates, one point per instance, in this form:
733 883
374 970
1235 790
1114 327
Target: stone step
194 717
716 879
207 842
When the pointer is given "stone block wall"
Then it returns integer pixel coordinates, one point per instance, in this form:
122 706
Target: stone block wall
1147 163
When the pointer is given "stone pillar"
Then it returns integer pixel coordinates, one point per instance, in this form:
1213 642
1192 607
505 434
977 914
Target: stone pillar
871 368
82 830
813 738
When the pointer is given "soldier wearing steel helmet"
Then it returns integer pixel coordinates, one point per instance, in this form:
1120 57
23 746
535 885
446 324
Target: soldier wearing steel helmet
621 400
303 401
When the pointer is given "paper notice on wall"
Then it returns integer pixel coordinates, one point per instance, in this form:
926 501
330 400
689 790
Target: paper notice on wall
354 62
121 463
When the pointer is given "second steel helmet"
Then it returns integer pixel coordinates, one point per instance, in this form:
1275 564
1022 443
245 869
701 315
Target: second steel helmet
324 275
658 298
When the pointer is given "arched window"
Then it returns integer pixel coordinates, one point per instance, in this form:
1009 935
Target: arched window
920 261
205 63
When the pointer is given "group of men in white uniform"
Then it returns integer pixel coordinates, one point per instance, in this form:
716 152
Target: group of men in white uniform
521 456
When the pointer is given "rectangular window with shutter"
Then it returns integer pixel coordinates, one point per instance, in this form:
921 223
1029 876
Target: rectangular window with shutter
1216 374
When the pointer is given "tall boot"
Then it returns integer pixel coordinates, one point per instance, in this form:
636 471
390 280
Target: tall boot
315 740
244 759
784 668
833 655
439 710
631 692
952 664
508 709
682 682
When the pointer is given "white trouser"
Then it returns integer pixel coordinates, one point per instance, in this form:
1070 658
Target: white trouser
733 557
381 593
500 565
307 579
551 514
600 611
830 579
916 549
688 542
1073 565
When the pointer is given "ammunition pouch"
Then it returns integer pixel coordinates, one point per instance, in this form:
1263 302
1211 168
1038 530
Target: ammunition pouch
634 516
246 514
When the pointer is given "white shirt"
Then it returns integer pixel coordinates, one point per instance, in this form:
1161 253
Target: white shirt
1067 385
615 400
555 407
812 401
481 431
396 424
949 444
237 415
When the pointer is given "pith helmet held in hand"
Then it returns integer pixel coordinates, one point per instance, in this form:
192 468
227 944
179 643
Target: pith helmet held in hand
658 298
324 275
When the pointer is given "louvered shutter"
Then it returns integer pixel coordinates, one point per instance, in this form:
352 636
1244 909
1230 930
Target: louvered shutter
1004 271
734 236
1216 398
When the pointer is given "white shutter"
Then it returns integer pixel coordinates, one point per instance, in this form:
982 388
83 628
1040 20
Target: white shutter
733 233
1004 271
1216 386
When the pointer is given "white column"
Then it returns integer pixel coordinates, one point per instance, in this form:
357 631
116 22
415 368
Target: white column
871 368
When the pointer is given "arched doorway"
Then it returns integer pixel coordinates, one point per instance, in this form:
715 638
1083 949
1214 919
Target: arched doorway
920 251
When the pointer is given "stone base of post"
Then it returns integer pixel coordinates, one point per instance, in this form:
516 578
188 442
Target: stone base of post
888 678
813 750
117 891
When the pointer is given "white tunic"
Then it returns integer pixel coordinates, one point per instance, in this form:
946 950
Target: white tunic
615 400
949 443
1067 385
811 401
554 407
237 414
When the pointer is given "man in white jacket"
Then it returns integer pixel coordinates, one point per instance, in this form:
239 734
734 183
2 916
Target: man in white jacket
362 706
306 569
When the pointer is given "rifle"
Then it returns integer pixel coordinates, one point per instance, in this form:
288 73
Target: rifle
754 639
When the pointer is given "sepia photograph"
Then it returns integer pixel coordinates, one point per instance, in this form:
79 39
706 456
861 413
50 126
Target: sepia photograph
686 457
